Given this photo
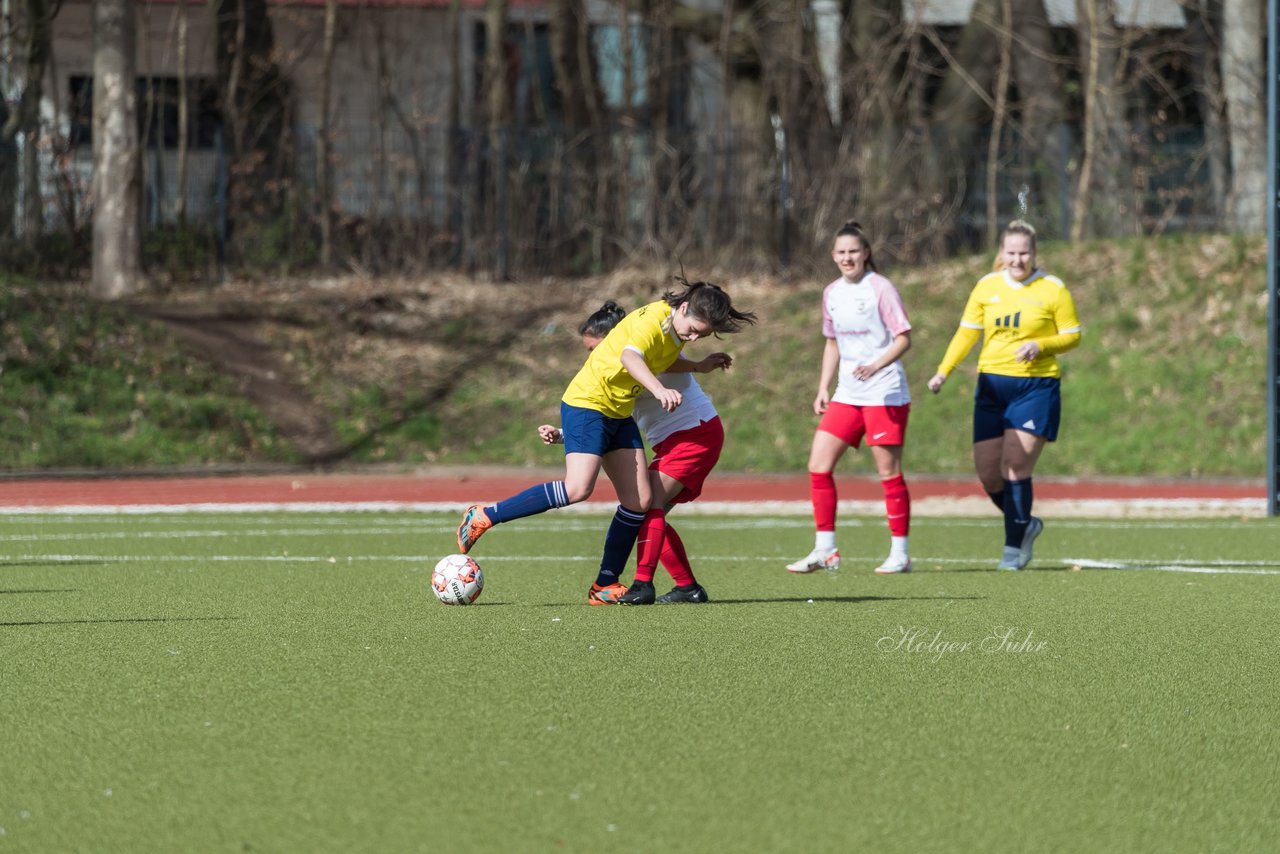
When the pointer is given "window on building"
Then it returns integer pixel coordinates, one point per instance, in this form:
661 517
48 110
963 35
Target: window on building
157 111
607 42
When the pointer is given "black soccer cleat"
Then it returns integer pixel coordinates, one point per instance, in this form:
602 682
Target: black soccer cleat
694 593
639 593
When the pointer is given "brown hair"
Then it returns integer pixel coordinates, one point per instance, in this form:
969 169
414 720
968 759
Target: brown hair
851 228
709 303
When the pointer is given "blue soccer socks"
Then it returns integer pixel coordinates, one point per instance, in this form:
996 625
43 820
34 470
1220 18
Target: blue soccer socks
1017 511
618 543
534 500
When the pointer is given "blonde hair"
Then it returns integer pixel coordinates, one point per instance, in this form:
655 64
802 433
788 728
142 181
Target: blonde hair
1017 226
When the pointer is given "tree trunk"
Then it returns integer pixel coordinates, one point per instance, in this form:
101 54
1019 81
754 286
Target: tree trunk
999 114
1243 75
255 100
573 65
184 116
498 120
1038 80
1203 40
1104 204
116 162
324 175
8 177
458 222
26 116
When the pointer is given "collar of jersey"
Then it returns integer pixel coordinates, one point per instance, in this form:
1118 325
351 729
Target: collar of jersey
1014 283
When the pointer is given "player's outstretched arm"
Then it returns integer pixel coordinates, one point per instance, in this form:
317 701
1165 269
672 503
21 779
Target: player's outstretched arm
668 398
683 365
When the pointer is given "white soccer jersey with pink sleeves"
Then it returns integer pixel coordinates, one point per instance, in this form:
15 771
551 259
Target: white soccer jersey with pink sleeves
864 317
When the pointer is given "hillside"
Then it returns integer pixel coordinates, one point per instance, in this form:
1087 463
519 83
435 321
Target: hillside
1170 379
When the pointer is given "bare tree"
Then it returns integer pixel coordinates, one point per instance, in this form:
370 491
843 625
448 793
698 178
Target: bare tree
256 102
1037 74
25 119
573 66
999 115
458 220
498 120
582 111
324 174
116 162
184 114
1243 73
8 177
1104 203
1204 47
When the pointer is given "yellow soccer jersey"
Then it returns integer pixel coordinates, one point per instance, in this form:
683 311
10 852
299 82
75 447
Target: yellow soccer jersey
1009 314
603 384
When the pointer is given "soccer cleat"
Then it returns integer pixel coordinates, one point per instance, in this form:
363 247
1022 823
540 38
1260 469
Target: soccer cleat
693 593
815 560
1012 559
607 595
894 564
474 523
1034 527
639 593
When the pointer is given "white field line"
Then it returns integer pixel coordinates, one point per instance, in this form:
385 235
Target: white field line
551 523
424 562
1213 567
1143 508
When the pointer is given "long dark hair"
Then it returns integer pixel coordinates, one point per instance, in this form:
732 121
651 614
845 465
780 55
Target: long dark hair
603 319
711 304
854 229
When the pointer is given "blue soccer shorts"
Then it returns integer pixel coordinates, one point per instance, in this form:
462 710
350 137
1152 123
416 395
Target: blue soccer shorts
587 431
1030 404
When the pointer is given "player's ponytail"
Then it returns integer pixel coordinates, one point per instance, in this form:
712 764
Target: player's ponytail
602 320
852 228
711 304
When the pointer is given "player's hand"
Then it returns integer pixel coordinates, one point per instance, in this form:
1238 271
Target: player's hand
821 402
865 372
713 361
550 435
936 381
669 399
1028 352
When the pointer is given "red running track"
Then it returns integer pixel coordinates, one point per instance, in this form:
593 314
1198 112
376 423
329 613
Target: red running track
464 486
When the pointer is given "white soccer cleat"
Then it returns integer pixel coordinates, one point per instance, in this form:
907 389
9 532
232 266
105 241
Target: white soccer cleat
1034 527
1012 559
894 565
828 559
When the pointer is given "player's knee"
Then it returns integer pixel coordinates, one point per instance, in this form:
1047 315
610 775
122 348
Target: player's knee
578 491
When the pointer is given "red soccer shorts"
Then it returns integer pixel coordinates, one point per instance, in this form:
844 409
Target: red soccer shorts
689 456
881 425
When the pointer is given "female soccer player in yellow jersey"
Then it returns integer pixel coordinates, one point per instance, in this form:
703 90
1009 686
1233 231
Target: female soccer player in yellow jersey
599 432
1025 317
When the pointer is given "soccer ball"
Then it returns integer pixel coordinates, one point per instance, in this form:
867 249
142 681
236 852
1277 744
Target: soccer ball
457 580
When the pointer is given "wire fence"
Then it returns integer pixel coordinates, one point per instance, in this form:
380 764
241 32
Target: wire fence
514 202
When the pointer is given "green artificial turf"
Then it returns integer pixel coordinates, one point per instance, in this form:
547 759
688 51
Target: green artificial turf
287 682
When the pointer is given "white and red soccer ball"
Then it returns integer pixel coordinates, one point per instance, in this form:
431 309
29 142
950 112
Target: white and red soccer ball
457 580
